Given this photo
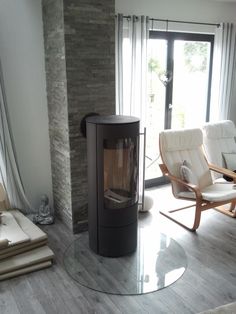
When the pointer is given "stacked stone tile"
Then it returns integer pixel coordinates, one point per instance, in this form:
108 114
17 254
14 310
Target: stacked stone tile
80 69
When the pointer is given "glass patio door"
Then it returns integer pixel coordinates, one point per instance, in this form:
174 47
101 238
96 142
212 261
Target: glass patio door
179 80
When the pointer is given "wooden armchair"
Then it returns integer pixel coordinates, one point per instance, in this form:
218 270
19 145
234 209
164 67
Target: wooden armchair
184 163
220 149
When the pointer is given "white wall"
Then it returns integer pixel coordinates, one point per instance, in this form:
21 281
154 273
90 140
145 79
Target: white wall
22 56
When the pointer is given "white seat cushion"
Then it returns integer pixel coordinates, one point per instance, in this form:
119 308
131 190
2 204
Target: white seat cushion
221 180
214 192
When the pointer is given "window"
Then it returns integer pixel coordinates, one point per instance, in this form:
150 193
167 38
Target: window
179 81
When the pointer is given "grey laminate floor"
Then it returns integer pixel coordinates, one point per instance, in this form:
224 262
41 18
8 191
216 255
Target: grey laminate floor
209 281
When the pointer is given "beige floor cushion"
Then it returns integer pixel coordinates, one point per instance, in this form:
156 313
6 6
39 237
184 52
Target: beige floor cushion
36 236
22 249
27 251
25 270
26 259
26 262
11 230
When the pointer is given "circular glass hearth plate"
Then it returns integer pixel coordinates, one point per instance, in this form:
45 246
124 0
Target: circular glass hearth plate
157 263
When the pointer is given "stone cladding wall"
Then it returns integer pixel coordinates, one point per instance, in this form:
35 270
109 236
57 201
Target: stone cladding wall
80 68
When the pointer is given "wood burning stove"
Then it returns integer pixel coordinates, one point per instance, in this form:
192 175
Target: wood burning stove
112 150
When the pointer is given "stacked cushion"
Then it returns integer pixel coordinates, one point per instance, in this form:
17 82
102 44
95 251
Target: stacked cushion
27 250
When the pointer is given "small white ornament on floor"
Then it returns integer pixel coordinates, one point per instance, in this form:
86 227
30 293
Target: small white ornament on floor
148 203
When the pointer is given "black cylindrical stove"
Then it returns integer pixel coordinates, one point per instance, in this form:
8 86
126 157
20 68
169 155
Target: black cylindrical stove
112 150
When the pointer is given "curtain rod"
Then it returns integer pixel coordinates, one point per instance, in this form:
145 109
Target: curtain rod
176 21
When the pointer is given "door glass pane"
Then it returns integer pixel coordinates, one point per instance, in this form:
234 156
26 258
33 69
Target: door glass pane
155 114
190 83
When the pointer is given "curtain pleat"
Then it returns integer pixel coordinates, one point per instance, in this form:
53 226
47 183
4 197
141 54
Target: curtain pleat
224 67
9 170
119 63
131 73
131 65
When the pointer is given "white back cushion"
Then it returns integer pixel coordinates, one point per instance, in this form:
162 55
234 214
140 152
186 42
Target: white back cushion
186 144
219 138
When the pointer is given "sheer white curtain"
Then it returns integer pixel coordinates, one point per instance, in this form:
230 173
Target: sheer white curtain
131 65
131 72
9 172
223 100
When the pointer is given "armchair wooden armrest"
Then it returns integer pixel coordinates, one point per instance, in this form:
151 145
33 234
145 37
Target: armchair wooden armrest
224 171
